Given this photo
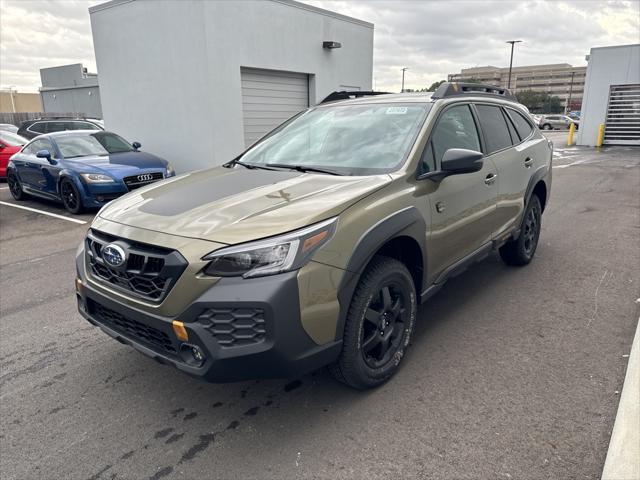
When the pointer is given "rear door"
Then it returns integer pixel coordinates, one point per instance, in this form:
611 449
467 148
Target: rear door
462 206
513 157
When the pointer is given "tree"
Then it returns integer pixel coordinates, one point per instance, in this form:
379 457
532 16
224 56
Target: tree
540 102
434 86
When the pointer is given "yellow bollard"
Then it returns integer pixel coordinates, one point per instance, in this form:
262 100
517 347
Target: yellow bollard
572 130
600 135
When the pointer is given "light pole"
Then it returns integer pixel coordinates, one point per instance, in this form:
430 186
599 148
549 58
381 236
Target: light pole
568 108
403 70
13 105
512 42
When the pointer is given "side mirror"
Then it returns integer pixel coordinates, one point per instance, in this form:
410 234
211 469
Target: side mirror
136 145
47 155
460 160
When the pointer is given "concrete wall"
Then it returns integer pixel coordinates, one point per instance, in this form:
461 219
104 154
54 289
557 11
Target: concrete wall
22 102
68 89
170 78
608 66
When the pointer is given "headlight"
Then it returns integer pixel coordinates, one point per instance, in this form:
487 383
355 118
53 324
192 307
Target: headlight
268 257
96 178
170 171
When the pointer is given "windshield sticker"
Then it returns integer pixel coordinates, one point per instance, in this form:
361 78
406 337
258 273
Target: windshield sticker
396 110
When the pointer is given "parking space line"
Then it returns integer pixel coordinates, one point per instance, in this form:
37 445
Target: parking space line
4 188
55 215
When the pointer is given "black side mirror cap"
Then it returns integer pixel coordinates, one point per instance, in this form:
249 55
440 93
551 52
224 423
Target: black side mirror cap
136 145
461 160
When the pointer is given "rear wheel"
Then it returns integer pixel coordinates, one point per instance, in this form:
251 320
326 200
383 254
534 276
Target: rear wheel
70 197
379 325
15 187
547 126
520 252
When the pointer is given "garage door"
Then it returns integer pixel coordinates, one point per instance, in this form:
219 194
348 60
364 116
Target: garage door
269 97
622 126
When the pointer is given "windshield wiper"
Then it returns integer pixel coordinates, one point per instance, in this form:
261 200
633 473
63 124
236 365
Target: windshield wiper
303 169
250 166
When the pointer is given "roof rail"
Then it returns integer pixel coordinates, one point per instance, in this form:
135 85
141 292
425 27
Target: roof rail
346 95
449 89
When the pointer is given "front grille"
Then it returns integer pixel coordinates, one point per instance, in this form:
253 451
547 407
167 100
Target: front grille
148 273
137 181
133 329
234 326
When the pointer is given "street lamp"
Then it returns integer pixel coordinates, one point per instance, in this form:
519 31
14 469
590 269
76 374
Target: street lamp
512 42
403 70
13 105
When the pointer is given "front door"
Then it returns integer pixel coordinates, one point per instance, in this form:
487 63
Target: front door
462 206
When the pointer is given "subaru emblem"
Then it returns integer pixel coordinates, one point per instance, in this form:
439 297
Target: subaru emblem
114 255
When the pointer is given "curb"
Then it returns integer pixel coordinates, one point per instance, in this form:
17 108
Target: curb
623 456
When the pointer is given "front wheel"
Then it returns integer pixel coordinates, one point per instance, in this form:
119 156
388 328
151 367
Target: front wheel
520 252
379 325
15 187
70 197
546 126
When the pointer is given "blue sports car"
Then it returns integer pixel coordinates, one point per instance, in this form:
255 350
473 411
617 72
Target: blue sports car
82 168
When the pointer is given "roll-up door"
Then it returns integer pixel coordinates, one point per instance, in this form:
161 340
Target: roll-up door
622 126
269 97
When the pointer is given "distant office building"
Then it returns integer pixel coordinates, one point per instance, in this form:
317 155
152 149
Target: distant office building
560 80
70 89
612 96
12 101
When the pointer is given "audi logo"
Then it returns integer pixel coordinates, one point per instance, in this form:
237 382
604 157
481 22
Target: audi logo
145 177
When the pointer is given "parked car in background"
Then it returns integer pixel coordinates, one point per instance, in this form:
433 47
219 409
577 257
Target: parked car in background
557 122
82 169
10 143
8 127
32 128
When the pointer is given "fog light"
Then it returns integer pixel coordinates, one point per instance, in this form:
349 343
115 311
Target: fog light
192 354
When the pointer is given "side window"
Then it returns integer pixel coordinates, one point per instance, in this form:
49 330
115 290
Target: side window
33 147
56 127
494 126
455 129
427 162
524 128
84 126
38 127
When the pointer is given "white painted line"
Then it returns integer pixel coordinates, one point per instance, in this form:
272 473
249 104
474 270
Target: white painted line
4 188
55 215
623 456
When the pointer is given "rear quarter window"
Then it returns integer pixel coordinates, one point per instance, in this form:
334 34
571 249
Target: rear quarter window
494 127
38 127
523 127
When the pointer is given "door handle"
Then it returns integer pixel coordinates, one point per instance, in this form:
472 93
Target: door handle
490 179
528 162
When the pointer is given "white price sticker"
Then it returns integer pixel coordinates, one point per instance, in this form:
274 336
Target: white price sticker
396 110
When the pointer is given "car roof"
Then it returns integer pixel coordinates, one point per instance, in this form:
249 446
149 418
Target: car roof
414 97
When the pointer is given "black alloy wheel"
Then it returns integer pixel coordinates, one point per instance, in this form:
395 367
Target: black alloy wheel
70 197
384 324
14 187
521 251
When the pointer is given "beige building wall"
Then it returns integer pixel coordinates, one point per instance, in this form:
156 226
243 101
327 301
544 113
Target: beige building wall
554 79
22 102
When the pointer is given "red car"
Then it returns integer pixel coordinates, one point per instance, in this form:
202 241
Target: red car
10 143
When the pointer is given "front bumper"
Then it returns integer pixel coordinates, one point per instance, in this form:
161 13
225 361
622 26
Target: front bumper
246 328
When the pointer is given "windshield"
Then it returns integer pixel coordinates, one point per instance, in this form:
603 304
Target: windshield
12 139
99 143
364 139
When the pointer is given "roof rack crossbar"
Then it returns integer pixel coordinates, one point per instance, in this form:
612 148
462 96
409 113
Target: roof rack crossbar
346 95
451 89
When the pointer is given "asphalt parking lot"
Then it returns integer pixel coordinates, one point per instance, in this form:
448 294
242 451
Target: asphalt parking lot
513 372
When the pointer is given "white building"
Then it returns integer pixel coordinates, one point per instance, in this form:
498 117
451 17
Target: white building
612 96
197 81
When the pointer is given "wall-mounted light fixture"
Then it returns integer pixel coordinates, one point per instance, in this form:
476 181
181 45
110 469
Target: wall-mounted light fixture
331 45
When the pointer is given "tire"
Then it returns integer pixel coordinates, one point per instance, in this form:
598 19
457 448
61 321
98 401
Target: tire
547 126
521 251
385 297
15 187
70 197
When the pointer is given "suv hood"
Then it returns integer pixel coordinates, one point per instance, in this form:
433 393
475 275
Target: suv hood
235 205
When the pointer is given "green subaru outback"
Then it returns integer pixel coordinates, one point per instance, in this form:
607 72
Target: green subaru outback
315 246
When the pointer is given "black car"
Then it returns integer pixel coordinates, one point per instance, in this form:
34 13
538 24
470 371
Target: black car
39 126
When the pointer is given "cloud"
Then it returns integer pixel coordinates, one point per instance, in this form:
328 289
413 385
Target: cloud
431 38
